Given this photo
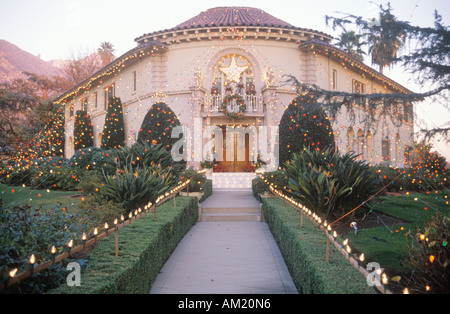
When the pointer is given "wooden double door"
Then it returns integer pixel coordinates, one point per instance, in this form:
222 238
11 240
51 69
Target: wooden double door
235 150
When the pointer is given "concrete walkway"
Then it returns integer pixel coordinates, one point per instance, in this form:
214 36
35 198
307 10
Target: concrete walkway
225 257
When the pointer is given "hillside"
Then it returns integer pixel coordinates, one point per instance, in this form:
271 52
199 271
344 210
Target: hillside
14 61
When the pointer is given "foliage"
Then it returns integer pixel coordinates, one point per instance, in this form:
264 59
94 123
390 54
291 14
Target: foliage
157 126
429 258
330 184
208 164
351 43
27 230
276 178
113 135
303 250
428 60
249 168
239 101
136 187
89 158
54 134
197 180
303 124
140 155
83 132
144 247
100 211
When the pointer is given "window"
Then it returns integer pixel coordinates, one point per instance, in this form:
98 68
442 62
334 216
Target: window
407 113
350 140
358 87
334 79
386 150
71 111
95 100
134 81
84 104
108 92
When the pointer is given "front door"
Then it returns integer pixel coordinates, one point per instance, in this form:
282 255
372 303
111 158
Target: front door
236 151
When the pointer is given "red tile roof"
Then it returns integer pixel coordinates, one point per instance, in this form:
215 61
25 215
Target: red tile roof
232 16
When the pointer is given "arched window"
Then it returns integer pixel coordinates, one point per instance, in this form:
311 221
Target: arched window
350 140
386 149
369 147
233 74
360 144
397 148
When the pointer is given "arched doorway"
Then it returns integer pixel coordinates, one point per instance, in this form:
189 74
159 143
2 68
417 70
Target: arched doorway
235 147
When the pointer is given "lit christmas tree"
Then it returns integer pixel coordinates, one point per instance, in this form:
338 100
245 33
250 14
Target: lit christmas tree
83 131
113 135
157 126
304 124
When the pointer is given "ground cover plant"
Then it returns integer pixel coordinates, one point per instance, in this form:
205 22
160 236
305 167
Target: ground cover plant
389 233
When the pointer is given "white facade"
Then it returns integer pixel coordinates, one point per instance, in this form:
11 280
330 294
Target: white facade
179 68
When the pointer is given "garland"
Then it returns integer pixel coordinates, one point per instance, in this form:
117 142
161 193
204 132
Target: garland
240 102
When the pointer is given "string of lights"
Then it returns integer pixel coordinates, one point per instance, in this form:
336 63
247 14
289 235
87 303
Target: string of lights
87 241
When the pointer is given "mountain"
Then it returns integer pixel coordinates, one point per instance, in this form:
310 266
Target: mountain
14 61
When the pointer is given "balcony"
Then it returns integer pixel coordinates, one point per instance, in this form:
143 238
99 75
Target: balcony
253 104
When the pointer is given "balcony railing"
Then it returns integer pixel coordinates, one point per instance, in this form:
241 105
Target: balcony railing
253 104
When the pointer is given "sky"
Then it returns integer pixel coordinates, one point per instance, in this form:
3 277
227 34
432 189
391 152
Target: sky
61 29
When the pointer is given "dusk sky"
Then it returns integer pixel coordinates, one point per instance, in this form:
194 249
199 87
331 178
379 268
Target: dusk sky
55 29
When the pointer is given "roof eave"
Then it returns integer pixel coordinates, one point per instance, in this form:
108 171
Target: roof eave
324 48
135 52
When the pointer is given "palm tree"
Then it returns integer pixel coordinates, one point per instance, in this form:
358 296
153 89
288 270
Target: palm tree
350 42
385 40
106 52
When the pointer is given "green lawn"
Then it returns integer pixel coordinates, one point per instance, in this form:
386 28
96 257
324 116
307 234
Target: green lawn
386 245
39 198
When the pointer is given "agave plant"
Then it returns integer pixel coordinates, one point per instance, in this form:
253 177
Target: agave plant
135 187
139 155
329 183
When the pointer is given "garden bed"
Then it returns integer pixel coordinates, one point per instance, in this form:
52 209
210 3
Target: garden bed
304 251
144 247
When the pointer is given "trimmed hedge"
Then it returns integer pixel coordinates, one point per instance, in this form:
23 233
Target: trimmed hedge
304 249
207 190
144 247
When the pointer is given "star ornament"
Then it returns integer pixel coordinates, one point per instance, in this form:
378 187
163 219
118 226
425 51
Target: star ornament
233 71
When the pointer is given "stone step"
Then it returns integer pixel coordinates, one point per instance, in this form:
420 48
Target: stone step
231 217
232 181
218 210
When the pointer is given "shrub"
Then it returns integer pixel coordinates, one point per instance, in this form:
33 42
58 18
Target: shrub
429 258
304 124
25 231
276 178
197 180
86 158
328 183
157 126
135 188
100 211
83 131
113 135
140 155
57 178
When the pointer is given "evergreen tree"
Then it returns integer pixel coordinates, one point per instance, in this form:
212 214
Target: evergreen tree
113 135
304 124
157 126
83 132
51 139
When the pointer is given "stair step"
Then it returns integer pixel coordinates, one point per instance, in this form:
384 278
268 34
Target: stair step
232 181
218 210
231 217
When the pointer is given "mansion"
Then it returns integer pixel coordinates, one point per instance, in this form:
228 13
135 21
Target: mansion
197 66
